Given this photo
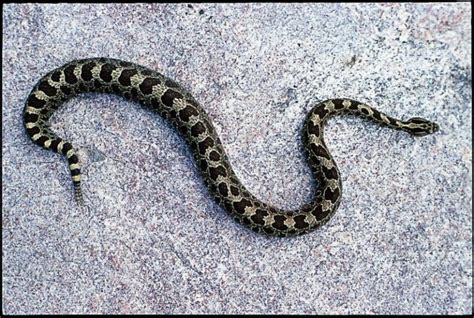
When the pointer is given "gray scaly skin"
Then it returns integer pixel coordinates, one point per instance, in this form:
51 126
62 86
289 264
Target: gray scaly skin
173 102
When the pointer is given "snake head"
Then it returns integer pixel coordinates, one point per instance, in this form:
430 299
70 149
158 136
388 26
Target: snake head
420 126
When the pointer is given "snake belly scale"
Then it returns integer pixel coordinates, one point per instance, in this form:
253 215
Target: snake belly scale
173 102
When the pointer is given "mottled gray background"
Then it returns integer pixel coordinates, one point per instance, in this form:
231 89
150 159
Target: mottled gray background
154 240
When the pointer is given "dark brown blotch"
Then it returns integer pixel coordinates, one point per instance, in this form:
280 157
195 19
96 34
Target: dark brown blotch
215 172
376 114
330 195
203 165
41 140
319 214
184 130
106 72
73 159
338 103
319 151
56 76
300 222
240 206
214 156
213 187
321 111
54 144
86 71
35 102
147 85
205 144
234 190
198 129
223 190
354 105
66 147
31 118
125 77
392 121
187 112
33 131
228 206
169 96
312 128
47 88
134 93
66 90
314 163
330 173
268 230
69 75
278 224
155 103
257 218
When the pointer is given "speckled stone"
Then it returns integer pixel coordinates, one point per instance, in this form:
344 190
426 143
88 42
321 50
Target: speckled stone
154 241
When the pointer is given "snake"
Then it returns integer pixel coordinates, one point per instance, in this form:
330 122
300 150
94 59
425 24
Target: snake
165 96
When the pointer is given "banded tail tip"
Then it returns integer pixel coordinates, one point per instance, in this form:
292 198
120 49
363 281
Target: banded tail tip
78 196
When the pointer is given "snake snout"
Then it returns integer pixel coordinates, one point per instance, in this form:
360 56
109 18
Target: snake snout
421 127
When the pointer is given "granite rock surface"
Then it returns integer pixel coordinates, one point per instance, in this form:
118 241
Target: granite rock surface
154 241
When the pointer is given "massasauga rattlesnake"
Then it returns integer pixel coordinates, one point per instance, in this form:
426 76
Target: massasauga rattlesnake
168 98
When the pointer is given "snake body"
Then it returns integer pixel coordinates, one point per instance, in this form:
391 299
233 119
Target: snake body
174 103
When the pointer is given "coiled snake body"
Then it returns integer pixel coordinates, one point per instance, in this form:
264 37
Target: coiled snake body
168 98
